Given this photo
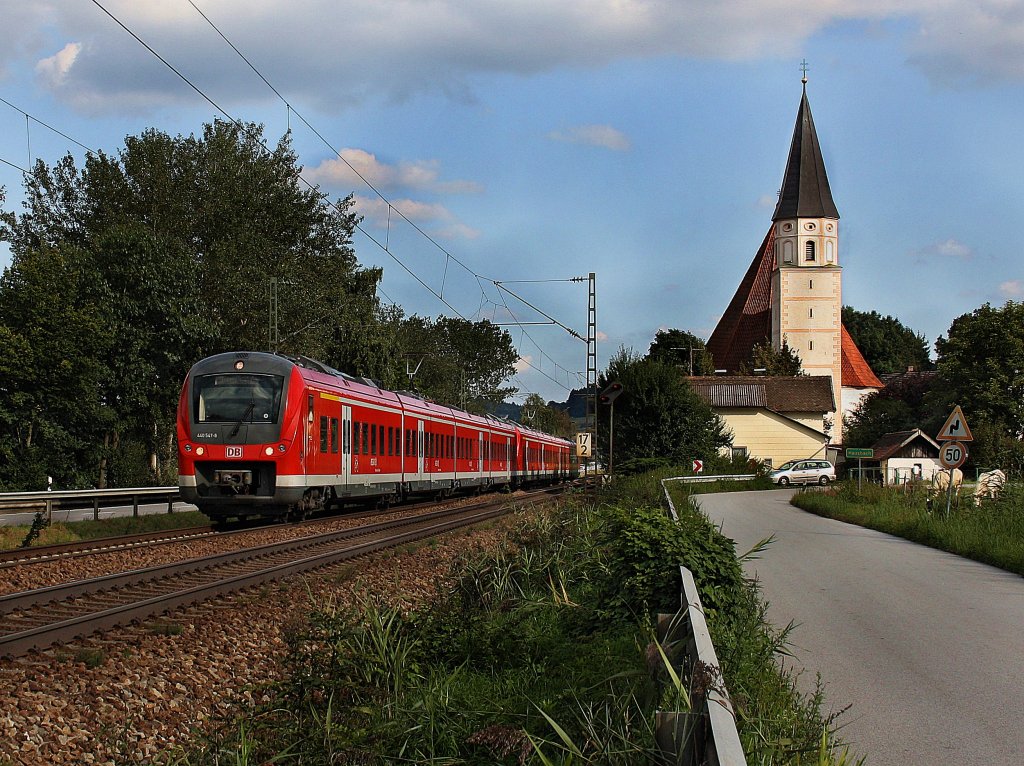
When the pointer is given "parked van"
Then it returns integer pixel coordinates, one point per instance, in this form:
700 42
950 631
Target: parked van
804 472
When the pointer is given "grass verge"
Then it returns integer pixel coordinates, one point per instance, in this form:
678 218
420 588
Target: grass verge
69 532
992 534
543 652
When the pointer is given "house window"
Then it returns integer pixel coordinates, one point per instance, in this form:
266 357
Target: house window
739 453
809 250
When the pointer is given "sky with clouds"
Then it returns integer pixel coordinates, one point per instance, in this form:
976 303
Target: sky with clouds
499 149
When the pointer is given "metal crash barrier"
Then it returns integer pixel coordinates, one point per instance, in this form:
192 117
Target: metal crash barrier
28 502
706 734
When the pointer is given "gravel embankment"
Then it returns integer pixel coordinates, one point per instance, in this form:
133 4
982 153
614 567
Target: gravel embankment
129 695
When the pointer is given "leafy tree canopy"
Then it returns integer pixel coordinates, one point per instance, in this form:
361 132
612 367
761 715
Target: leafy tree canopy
981 363
551 420
126 272
461 363
658 415
887 345
682 349
774 361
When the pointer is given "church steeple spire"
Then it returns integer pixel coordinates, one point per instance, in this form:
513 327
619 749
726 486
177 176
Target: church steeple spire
805 190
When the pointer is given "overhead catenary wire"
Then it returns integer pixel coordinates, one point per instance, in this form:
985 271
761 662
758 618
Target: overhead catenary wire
385 247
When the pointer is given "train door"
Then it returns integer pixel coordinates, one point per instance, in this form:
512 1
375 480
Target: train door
346 443
420 448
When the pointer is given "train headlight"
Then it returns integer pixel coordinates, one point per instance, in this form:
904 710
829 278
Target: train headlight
281 448
188 448
200 451
269 451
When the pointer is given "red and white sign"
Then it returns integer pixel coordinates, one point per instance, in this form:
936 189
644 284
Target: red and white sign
698 466
953 454
955 428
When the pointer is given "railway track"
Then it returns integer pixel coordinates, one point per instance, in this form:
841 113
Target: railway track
39 618
21 556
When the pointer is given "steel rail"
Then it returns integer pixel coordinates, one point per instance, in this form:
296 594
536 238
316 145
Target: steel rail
31 555
67 627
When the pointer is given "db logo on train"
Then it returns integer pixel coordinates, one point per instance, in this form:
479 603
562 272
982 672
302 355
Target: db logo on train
232 452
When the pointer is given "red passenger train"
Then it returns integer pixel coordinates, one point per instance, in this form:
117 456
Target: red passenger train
278 436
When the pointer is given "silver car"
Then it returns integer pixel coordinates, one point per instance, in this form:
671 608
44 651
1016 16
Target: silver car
804 472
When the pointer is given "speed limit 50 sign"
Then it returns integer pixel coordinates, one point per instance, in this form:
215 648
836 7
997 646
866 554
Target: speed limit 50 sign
953 454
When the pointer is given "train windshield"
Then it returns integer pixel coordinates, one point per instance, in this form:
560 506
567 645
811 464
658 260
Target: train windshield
236 397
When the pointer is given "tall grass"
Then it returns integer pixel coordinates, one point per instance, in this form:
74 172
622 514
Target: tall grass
543 653
992 534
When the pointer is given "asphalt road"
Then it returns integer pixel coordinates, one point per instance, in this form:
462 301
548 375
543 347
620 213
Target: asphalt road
926 647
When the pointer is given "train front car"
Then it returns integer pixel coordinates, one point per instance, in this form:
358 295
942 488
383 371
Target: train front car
240 435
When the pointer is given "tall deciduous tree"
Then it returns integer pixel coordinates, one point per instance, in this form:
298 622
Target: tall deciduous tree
683 349
981 365
464 364
658 416
179 237
887 345
551 420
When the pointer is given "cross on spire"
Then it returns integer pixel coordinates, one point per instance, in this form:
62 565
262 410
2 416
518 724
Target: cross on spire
803 69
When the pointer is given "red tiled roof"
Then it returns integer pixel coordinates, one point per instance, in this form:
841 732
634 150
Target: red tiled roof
857 373
747 320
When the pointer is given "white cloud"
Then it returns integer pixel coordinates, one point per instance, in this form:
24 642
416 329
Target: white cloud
523 363
356 163
377 210
54 70
321 56
949 248
1012 289
603 136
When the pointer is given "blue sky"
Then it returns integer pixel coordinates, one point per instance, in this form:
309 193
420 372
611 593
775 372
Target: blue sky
535 141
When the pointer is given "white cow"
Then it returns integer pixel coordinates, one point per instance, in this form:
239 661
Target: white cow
990 484
940 485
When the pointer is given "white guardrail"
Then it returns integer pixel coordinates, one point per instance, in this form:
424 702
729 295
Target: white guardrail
83 498
708 734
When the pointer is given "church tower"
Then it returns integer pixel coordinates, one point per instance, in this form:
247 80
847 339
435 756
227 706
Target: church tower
806 295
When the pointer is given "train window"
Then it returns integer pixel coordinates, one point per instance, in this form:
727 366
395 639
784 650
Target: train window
373 439
346 443
323 433
366 439
334 435
391 441
237 398
380 438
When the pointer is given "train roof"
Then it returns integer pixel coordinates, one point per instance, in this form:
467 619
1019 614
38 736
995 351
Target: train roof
318 372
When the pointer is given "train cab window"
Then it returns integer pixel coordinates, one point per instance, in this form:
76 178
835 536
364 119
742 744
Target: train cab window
235 397
323 433
334 435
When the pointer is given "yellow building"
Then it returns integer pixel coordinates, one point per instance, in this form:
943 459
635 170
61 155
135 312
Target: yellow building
771 419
